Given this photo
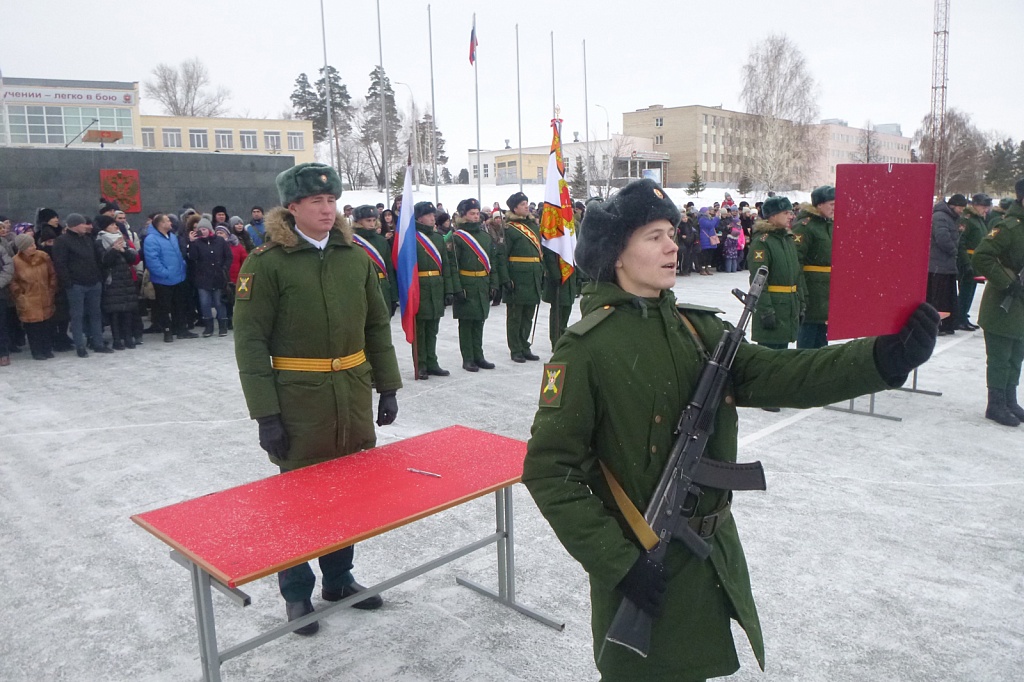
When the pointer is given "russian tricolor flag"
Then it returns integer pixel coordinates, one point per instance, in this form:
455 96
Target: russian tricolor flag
403 254
473 43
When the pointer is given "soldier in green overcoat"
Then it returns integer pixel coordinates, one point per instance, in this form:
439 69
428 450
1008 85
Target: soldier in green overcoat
434 262
524 257
1000 259
612 394
365 234
778 312
560 295
973 228
476 277
312 332
812 234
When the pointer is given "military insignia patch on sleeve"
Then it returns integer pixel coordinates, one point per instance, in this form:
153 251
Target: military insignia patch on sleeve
798 238
551 386
758 255
243 290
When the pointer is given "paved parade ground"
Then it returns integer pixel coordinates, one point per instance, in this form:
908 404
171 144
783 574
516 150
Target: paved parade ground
881 550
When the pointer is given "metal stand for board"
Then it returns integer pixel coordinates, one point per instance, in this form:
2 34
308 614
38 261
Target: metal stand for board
914 389
869 413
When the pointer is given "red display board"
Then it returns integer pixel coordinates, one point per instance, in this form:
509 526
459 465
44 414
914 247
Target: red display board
255 530
123 187
879 247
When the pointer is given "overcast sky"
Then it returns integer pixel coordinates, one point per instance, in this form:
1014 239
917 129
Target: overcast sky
871 58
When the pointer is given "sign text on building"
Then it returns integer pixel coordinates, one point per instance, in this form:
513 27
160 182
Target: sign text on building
42 95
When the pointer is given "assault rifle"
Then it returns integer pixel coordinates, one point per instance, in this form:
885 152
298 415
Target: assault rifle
1008 298
679 491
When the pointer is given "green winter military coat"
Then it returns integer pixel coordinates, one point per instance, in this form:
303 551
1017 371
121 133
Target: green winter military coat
293 300
973 230
812 234
999 258
775 248
433 289
522 241
555 290
478 297
612 392
382 248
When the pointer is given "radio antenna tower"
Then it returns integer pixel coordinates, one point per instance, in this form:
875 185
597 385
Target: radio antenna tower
940 67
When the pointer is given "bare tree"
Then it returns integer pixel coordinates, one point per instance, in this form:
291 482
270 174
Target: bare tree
869 147
964 153
184 91
781 95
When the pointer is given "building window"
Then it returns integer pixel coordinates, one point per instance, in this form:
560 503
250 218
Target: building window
540 173
148 138
659 122
296 141
486 174
659 139
172 137
247 139
197 138
224 139
476 171
272 140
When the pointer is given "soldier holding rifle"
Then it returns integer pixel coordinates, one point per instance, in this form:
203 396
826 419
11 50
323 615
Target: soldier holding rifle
610 401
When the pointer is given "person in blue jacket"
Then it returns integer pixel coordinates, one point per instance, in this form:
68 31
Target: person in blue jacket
166 265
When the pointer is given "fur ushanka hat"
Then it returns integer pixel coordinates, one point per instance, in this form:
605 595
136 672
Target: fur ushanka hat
306 180
607 226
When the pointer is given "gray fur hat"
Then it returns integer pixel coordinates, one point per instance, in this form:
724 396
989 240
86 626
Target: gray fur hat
607 226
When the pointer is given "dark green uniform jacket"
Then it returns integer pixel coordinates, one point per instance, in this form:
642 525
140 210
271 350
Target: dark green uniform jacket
296 301
613 392
974 230
554 289
775 248
388 283
477 288
812 234
526 277
433 289
999 258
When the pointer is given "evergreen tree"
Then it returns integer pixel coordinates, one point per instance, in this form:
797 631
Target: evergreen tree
578 184
1000 173
1018 166
306 104
423 135
697 183
746 185
446 176
370 134
310 104
398 183
463 177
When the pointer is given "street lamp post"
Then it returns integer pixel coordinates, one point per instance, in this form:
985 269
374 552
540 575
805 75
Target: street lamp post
415 136
608 138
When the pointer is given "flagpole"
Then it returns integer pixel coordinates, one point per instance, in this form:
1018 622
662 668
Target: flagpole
586 117
476 85
519 114
433 112
383 116
327 84
7 117
554 107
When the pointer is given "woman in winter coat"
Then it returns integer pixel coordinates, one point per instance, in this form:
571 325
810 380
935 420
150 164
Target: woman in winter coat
731 248
33 289
708 240
387 224
238 256
211 259
238 231
120 298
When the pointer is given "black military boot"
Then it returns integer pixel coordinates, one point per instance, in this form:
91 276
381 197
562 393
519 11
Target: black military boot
368 604
483 364
168 337
222 327
437 372
997 409
207 327
470 366
298 609
529 355
518 357
1011 403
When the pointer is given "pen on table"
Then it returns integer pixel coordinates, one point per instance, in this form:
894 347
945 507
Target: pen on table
425 473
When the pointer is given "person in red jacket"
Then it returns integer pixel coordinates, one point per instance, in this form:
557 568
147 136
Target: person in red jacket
238 256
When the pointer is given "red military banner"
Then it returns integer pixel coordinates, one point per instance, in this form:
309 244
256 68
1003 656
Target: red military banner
879 247
123 187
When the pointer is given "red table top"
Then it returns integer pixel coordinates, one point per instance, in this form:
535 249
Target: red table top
252 531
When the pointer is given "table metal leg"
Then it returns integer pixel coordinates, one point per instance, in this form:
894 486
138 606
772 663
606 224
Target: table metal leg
869 413
506 593
203 598
914 389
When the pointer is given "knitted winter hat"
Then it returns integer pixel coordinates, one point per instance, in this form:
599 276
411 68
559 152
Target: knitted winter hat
235 220
45 215
607 226
23 241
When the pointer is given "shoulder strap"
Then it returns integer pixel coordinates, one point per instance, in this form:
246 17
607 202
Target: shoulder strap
634 518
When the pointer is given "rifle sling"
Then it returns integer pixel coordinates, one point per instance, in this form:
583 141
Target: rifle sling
705 526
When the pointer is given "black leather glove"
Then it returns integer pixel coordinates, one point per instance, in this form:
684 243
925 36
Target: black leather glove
387 408
460 295
768 320
509 286
449 299
645 585
495 296
896 355
273 437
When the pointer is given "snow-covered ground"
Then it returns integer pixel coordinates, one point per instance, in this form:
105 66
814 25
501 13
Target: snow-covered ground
881 550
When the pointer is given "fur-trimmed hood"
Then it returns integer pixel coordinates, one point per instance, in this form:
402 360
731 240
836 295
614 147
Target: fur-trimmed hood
765 227
280 226
810 211
458 222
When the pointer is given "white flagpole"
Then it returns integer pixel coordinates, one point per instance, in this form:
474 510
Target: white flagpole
554 106
383 117
433 113
586 118
327 84
476 85
7 116
519 114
